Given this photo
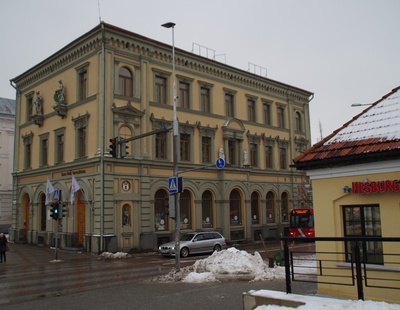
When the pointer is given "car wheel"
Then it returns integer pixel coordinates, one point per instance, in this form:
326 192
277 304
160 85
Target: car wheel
217 248
184 252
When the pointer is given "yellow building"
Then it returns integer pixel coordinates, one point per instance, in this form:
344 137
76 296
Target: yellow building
355 174
112 83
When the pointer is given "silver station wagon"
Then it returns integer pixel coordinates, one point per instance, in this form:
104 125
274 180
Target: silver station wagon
195 243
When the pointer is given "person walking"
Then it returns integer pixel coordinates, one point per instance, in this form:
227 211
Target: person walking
3 247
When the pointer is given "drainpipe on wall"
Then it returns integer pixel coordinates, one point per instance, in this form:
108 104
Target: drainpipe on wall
103 120
14 204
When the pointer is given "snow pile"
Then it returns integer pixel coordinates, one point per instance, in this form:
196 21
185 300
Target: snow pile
230 264
108 255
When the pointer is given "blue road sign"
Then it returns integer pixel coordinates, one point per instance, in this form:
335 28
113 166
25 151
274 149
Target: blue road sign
173 185
220 163
56 194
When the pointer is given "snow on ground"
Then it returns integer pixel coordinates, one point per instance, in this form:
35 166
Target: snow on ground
108 255
233 264
318 303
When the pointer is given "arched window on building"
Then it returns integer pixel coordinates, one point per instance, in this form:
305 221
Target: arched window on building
235 208
271 207
298 125
284 207
185 205
207 210
160 217
255 208
42 212
125 82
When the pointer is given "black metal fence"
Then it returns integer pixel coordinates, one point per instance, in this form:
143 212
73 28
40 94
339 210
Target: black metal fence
364 262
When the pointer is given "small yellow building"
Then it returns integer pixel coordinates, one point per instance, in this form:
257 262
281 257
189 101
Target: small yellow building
112 83
355 174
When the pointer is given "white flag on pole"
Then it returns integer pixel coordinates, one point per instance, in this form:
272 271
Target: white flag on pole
49 190
74 188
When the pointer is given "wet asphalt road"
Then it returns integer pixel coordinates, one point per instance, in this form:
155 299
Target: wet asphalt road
30 279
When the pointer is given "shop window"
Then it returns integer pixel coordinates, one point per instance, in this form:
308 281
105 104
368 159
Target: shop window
255 208
235 208
364 221
42 212
270 207
207 210
284 207
160 217
185 205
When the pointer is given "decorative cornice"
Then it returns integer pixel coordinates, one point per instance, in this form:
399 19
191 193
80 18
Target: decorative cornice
135 45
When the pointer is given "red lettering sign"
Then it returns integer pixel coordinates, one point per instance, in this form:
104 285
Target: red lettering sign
375 187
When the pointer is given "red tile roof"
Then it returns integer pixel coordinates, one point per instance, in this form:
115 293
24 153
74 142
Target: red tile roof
372 135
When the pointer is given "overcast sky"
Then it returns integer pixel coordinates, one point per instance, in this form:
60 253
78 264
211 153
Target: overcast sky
344 51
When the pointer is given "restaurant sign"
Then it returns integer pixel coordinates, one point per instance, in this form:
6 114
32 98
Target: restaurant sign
372 187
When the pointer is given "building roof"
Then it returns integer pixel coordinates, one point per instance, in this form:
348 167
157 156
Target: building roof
7 106
372 135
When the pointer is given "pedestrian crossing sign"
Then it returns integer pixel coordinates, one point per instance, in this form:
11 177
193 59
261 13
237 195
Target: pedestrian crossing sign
56 194
173 185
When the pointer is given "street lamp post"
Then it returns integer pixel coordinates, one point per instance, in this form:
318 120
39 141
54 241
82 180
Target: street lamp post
175 152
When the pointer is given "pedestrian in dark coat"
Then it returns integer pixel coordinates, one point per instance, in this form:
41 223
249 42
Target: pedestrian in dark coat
3 247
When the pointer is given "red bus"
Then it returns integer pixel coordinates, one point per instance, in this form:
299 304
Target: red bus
302 223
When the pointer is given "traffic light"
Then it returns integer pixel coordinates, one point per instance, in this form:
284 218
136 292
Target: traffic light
64 210
170 206
54 211
124 148
114 147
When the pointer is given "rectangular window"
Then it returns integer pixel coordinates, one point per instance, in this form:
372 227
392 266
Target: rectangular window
44 151
29 106
28 155
161 145
83 83
229 106
268 157
281 117
364 221
282 158
161 90
267 113
60 148
205 100
206 149
82 142
253 155
183 98
251 110
185 146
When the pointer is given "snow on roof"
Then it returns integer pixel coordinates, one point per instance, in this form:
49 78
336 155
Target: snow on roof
374 131
381 120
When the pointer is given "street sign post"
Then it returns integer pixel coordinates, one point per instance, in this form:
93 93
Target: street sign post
220 163
173 185
57 194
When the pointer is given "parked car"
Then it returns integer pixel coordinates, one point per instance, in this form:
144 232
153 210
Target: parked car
195 243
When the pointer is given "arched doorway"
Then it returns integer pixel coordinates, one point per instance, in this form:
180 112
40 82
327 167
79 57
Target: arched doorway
24 218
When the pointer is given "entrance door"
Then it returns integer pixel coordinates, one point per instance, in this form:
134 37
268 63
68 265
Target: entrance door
81 222
26 220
